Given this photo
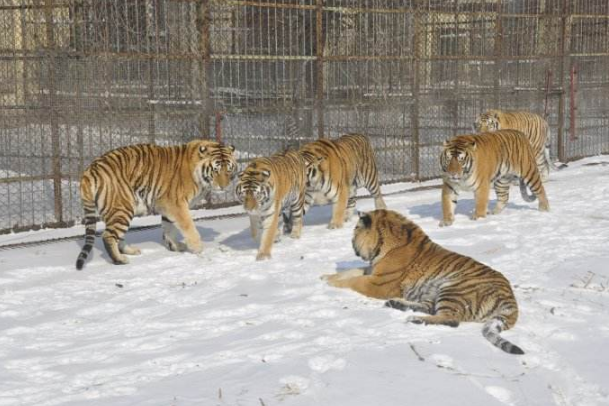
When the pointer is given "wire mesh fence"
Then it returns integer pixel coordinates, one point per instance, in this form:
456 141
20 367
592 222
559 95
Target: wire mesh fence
81 77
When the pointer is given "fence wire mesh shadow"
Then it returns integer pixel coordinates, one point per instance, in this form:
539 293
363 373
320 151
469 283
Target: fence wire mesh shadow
81 77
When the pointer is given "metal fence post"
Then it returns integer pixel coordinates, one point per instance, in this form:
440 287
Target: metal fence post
415 87
203 22
498 51
319 74
561 83
51 56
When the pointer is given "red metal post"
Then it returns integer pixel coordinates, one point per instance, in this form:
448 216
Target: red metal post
219 118
548 85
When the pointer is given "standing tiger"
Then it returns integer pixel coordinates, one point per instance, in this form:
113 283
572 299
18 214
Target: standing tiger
336 169
268 187
146 178
534 127
417 274
475 162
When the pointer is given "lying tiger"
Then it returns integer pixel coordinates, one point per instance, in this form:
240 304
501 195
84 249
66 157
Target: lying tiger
335 170
475 162
268 187
417 274
147 178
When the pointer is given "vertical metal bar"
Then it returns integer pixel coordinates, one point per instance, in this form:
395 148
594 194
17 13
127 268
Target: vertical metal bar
52 111
150 74
414 109
204 19
498 51
561 78
319 64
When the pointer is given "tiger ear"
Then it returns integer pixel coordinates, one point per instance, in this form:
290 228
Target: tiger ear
473 145
266 173
232 148
202 149
365 219
445 143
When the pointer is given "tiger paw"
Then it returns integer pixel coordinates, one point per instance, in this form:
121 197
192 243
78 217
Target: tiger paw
120 260
446 222
295 234
544 207
478 216
262 256
415 320
195 248
333 226
131 250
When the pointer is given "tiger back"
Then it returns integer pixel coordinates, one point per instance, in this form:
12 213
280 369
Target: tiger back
267 187
336 169
148 178
533 126
416 274
475 162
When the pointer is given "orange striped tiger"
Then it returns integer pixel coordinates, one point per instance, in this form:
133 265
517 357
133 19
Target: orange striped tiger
268 187
148 178
534 127
336 169
415 273
475 162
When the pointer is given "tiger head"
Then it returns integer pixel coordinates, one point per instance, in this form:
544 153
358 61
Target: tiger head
254 188
215 163
488 121
380 231
315 166
456 160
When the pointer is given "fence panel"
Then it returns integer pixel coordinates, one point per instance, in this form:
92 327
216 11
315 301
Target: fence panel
81 77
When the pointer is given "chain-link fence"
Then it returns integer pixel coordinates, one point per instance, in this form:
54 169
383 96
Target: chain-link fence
80 77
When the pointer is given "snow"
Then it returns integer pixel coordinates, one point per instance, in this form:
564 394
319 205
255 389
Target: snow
178 329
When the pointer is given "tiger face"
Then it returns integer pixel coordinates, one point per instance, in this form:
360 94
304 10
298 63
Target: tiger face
218 166
457 159
378 232
487 122
254 188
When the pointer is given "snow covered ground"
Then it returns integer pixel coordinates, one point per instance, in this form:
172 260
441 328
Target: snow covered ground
221 329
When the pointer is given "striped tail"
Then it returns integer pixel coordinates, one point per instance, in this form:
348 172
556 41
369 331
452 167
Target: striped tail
90 221
491 330
524 192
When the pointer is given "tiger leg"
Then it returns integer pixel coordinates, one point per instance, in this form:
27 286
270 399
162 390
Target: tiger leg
481 195
338 209
117 223
404 305
532 179
269 230
127 249
441 318
502 189
351 203
255 227
183 221
368 285
170 236
449 202
296 213
351 273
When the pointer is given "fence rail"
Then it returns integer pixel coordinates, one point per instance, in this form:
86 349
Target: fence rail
80 77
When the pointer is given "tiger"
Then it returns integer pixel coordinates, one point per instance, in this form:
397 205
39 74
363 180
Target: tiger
414 273
532 125
267 187
147 178
335 170
477 161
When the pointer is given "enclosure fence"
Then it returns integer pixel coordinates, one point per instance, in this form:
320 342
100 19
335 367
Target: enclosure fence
81 77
